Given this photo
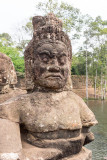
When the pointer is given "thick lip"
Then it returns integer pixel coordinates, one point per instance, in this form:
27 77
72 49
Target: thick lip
54 76
2 84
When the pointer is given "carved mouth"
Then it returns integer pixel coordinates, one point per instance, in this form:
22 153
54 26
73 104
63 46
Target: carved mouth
2 84
54 76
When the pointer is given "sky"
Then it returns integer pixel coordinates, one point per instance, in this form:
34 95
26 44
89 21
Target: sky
15 12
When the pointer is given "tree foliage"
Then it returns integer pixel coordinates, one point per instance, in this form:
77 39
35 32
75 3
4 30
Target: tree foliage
71 17
6 47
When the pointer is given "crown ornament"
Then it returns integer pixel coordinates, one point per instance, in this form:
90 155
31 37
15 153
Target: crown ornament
49 21
49 28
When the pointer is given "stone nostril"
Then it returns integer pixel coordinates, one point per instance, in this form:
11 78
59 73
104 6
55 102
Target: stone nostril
54 69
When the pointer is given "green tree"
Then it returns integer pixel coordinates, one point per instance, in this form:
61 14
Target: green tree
24 35
6 39
13 53
98 35
71 17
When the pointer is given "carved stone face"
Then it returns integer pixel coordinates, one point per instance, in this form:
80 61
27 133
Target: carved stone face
51 65
3 74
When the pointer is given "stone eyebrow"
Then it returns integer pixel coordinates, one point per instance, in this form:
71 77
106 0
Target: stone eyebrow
45 51
63 54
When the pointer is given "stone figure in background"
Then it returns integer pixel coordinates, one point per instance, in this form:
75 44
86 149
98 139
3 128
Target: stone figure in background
8 79
8 76
54 122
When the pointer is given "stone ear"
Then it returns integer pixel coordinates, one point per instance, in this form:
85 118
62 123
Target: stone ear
29 75
28 54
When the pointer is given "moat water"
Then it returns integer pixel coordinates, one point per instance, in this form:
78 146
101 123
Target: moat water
99 145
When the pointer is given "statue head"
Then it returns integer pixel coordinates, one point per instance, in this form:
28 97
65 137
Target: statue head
48 56
8 76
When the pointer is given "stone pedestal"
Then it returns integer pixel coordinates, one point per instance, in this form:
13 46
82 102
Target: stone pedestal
85 154
33 153
10 133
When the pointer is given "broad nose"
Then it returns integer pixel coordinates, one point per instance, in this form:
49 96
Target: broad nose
54 69
55 61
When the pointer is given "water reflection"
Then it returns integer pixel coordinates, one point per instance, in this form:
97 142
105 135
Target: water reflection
99 145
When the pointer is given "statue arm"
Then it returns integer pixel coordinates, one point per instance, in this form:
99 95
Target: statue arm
88 119
87 116
10 141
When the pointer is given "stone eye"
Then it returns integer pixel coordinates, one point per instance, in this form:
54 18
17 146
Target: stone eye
2 70
44 57
62 59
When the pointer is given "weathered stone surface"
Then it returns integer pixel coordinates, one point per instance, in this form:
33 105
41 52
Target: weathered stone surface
54 122
49 52
8 76
11 93
85 154
56 126
10 133
35 153
8 79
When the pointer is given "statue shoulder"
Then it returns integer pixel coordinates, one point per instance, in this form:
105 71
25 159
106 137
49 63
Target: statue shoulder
87 116
10 109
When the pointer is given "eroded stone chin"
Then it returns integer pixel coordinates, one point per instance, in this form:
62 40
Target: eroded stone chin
51 82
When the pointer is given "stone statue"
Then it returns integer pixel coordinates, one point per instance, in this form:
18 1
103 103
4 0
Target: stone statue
54 122
8 76
8 79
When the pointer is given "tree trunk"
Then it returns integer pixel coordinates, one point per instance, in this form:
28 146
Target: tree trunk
95 85
101 86
86 77
104 90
